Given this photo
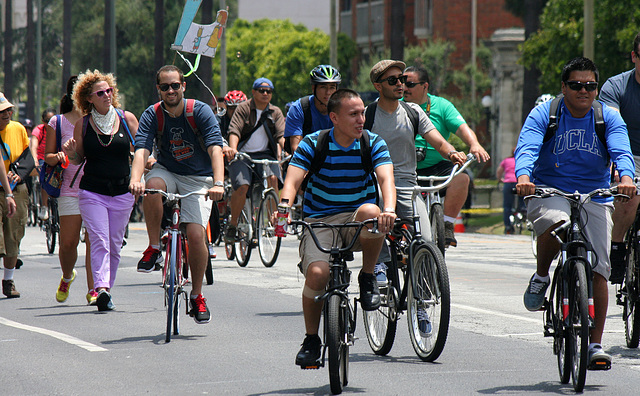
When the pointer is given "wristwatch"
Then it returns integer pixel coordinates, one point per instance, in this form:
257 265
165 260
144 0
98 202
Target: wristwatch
218 184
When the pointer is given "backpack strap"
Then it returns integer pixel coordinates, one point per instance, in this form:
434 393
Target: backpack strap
555 111
124 122
370 115
307 123
414 117
160 121
85 124
58 133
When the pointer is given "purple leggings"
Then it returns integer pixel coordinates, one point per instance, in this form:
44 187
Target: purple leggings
106 219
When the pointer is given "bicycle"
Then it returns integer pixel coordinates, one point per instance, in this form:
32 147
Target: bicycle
176 269
418 283
35 198
254 223
569 311
628 293
434 202
51 226
338 312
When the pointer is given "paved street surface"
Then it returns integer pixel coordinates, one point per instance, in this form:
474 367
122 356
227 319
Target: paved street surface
494 347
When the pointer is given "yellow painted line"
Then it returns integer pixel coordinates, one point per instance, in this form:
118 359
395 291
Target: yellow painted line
60 336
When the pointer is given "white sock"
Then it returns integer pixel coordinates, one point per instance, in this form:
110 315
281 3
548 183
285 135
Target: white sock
594 345
8 273
157 247
449 219
541 278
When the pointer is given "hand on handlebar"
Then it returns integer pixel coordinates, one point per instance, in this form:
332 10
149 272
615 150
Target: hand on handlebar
626 187
458 157
229 153
386 221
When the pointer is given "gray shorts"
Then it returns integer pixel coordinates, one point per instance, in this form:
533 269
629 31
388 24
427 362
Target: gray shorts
597 229
68 206
193 209
310 253
241 174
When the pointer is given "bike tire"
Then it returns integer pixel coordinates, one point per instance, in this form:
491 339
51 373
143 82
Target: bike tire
170 285
437 226
208 273
631 310
55 224
230 250
245 235
268 243
562 341
380 325
428 289
50 235
338 349
579 326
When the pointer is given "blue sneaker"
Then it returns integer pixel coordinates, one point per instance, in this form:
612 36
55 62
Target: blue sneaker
380 271
424 323
534 295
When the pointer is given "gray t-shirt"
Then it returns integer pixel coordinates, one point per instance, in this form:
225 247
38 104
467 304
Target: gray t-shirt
622 92
397 131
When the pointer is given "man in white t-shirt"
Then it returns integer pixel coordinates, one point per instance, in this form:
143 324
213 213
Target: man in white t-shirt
257 128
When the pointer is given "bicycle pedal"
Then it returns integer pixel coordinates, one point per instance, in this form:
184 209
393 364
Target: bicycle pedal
316 367
599 365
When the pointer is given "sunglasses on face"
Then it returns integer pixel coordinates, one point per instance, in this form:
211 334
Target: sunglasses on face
9 110
393 80
174 86
411 84
577 85
264 91
103 91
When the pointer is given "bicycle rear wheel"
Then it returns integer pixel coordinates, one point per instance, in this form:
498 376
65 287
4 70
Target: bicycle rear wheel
336 343
437 226
54 225
579 326
268 243
561 341
428 302
631 310
380 325
245 235
170 290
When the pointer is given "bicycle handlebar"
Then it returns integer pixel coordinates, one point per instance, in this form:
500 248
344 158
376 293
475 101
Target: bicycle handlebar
246 156
546 192
356 224
454 172
172 196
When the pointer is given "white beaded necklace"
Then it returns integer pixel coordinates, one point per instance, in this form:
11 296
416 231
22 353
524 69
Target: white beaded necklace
104 122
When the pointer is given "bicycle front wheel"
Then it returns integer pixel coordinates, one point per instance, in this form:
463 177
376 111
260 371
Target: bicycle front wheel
380 325
268 242
631 310
336 343
562 341
245 235
437 226
170 289
50 235
578 326
428 302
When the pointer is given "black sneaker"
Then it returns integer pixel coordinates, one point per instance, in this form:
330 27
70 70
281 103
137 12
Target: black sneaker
150 259
618 262
449 235
230 234
104 302
309 355
369 292
199 310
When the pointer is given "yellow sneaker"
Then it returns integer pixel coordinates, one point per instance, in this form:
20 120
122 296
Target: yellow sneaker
92 297
63 290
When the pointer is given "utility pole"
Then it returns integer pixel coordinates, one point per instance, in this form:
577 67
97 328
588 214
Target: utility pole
31 65
8 55
333 47
39 55
223 55
588 50
109 51
66 45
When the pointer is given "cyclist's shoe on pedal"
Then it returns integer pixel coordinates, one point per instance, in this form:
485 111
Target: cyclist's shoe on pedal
230 234
19 263
449 235
424 323
9 288
63 289
380 271
150 259
199 310
212 252
369 292
598 358
618 262
309 355
43 213
92 297
534 295
104 302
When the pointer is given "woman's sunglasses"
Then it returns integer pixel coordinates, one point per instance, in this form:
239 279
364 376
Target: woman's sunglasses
103 91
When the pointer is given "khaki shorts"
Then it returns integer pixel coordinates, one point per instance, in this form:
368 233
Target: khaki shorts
545 212
310 253
12 229
193 209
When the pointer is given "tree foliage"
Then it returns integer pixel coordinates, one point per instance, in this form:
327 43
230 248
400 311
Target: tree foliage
561 39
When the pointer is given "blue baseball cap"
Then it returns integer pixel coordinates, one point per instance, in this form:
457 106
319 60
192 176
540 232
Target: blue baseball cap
262 80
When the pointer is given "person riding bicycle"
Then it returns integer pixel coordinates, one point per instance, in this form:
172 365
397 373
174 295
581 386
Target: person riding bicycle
188 160
309 113
231 100
573 159
257 128
340 191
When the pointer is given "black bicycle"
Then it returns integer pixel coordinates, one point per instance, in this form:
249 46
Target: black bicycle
628 294
569 311
51 226
338 311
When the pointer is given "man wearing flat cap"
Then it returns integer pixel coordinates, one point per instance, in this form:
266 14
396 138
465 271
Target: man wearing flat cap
257 128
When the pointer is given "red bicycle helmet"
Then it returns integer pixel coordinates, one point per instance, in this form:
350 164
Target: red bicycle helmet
234 98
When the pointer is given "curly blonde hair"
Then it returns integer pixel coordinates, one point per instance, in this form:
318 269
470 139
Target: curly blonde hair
83 89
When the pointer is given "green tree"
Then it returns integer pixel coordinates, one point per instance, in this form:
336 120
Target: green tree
560 39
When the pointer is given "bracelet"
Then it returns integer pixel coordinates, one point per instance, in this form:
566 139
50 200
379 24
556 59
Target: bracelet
218 184
8 195
389 210
451 152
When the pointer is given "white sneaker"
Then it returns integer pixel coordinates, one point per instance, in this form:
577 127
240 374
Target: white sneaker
212 253
43 213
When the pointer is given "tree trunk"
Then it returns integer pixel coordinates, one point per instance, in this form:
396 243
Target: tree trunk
31 64
158 40
396 41
530 89
205 61
66 45
8 53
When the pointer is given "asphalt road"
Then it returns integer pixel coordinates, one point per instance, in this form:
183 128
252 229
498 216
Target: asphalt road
494 346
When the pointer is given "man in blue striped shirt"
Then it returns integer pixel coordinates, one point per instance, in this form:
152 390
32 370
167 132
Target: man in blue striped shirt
339 192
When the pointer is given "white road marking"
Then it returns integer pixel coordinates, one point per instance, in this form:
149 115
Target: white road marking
61 336
496 313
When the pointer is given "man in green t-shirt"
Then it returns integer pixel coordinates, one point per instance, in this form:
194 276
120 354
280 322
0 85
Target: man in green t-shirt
447 120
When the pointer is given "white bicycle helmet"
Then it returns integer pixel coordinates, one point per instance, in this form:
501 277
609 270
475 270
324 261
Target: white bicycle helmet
544 98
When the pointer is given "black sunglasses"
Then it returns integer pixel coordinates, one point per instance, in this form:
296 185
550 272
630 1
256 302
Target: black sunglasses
577 85
174 86
411 84
264 91
393 80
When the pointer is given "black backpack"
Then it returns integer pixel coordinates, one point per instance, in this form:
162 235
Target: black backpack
307 123
370 116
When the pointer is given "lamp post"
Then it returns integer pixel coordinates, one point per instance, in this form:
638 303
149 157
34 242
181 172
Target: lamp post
487 102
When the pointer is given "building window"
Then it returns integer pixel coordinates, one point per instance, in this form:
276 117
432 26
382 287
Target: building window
346 5
423 18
